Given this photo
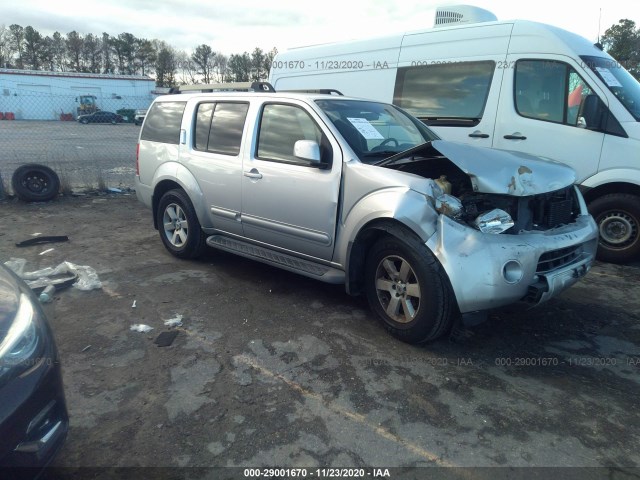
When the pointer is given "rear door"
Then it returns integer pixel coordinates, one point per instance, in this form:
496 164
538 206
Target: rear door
213 158
286 201
451 79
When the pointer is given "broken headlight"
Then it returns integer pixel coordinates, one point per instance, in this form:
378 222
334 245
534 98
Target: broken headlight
495 221
450 206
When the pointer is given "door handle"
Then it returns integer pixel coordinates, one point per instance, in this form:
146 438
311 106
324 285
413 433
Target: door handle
253 173
479 134
515 136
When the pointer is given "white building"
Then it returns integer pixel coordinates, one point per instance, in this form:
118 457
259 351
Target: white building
38 95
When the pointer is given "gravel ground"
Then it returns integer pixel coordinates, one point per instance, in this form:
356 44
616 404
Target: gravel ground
273 369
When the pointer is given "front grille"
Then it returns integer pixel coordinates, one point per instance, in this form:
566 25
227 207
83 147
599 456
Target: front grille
558 258
560 212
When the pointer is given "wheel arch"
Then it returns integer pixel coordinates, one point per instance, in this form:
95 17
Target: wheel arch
591 194
183 179
367 236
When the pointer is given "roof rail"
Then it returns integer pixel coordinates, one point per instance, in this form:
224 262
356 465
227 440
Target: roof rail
325 91
228 87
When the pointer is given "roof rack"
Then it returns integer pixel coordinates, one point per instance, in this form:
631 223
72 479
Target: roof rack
324 91
227 87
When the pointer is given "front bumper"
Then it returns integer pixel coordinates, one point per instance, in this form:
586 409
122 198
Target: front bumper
488 271
33 416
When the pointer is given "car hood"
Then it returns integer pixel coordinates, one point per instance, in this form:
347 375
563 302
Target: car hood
498 171
9 300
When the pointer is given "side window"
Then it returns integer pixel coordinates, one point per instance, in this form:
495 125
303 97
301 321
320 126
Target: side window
163 122
444 90
281 126
549 90
219 127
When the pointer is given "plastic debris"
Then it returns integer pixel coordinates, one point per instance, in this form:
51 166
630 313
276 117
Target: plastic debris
47 294
86 348
174 322
114 190
165 339
134 304
87 277
140 327
47 251
39 240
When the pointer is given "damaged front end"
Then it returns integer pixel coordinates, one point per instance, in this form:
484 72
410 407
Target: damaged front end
511 227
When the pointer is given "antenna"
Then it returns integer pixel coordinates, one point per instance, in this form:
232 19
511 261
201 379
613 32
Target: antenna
599 19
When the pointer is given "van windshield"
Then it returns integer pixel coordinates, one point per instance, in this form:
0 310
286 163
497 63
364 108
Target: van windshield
375 130
619 81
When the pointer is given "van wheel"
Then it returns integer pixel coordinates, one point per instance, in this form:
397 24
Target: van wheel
178 225
618 219
407 288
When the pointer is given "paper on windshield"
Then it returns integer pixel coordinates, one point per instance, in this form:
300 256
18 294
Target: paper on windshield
608 77
367 130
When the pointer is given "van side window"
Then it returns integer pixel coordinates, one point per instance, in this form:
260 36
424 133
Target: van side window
219 127
549 90
439 92
281 126
163 122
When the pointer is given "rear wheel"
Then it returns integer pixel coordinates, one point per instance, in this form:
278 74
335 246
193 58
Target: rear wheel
178 225
407 288
618 219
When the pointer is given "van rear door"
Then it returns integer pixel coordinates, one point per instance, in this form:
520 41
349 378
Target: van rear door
450 79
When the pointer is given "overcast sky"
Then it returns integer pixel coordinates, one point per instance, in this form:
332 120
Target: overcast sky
241 25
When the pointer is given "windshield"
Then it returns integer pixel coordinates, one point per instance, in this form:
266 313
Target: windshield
375 130
619 81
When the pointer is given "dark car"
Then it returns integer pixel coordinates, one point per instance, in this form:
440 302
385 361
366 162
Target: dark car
33 413
100 117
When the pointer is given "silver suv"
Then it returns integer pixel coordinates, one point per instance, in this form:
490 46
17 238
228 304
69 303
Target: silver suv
358 192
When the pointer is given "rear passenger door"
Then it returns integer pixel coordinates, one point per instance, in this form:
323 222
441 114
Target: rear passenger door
214 160
287 202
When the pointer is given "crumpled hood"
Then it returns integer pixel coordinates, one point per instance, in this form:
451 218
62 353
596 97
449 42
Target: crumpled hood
506 172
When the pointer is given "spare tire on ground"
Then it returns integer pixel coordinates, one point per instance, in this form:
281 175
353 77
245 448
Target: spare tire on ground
35 183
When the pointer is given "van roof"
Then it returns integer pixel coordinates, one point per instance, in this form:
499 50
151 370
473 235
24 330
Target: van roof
529 36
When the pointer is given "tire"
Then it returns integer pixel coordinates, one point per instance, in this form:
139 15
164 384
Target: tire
178 225
618 219
405 274
35 183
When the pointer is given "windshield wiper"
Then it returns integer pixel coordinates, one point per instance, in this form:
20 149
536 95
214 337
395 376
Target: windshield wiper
386 153
403 154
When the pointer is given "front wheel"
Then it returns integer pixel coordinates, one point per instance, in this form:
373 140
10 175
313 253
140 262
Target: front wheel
178 225
407 288
618 219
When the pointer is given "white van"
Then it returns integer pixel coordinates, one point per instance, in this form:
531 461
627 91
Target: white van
513 85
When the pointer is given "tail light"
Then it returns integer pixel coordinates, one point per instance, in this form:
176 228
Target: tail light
138 160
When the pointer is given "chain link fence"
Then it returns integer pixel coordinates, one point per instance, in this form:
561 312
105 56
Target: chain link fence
39 113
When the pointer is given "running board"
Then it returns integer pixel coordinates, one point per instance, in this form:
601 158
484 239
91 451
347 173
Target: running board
277 259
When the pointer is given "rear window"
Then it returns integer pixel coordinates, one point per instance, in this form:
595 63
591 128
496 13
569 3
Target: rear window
163 122
219 127
442 93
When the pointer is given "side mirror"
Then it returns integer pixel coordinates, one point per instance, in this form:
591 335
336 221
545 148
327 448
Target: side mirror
591 112
307 150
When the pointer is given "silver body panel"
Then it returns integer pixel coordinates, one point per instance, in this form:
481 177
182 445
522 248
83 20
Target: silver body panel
316 215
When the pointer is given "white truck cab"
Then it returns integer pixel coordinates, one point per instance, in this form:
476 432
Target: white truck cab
512 85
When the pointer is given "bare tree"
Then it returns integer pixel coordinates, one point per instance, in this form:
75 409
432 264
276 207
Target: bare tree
17 42
204 58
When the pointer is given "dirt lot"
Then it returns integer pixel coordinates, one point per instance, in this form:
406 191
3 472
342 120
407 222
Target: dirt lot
273 369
